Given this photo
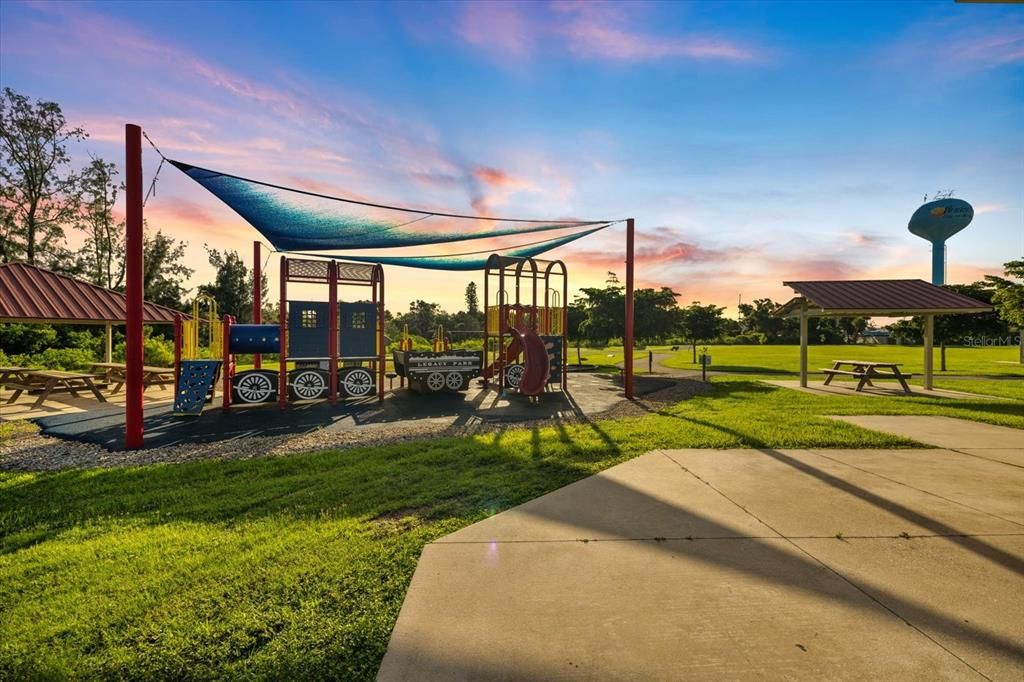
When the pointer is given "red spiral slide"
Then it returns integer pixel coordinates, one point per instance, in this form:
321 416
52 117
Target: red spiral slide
537 364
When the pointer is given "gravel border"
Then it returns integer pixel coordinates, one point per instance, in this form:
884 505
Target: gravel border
43 453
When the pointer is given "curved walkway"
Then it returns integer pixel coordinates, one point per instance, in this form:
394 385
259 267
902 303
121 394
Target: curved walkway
736 564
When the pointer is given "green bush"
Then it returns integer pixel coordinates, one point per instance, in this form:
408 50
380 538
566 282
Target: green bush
155 351
25 339
67 359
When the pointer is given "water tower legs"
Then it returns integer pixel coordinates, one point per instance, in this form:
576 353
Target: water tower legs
938 263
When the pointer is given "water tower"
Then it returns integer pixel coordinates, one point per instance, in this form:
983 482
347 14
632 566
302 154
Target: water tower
937 221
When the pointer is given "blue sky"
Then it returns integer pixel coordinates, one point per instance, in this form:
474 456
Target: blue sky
753 142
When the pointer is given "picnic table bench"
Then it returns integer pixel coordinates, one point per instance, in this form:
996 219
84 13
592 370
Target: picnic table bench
116 373
864 371
51 381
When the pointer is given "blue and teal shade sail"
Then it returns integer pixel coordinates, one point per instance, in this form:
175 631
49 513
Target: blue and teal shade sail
295 220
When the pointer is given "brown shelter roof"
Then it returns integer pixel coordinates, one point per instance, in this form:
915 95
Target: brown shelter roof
31 294
882 297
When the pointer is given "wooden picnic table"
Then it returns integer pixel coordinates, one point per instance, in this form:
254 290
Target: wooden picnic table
8 372
52 381
866 370
116 373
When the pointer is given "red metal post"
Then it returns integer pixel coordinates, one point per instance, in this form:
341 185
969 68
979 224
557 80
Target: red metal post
282 320
227 369
332 333
487 353
177 350
133 287
382 350
257 296
565 326
502 312
627 342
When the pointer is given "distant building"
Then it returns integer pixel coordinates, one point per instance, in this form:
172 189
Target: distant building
876 337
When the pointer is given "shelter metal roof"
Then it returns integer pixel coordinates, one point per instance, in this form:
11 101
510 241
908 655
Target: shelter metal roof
32 294
882 297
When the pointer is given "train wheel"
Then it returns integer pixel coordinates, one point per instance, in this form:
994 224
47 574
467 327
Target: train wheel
455 381
308 384
356 383
513 375
253 387
435 382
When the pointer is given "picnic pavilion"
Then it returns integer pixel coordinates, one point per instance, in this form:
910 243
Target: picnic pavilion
876 298
33 295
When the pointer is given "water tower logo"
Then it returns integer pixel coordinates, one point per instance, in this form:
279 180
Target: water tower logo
937 221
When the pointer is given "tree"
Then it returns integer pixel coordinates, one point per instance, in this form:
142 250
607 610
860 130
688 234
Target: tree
760 317
472 300
232 286
163 272
701 323
951 329
102 257
656 314
604 313
1008 297
38 194
422 318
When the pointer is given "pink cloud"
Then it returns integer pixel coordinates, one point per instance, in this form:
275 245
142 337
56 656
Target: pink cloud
600 30
588 30
497 26
982 209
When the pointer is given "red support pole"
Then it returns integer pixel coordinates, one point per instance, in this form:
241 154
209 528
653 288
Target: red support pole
282 320
332 330
133 287
257 296
628 340
487 353
177 350
227 370
382 351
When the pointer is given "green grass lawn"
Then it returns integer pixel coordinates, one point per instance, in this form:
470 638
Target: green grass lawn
296 567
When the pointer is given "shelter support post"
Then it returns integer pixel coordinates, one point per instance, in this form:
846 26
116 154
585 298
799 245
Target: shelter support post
133 287
803 347
257 297
627 342
929 336
108 344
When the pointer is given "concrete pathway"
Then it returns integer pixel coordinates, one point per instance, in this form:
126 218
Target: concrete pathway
981 440
734 564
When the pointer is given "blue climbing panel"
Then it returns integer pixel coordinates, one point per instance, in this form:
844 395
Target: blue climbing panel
197 377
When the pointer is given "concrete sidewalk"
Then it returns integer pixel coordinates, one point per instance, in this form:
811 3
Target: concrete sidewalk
734 564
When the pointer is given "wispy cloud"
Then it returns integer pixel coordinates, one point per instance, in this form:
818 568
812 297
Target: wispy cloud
959 44
603 31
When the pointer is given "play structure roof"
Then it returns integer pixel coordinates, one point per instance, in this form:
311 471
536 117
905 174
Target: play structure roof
33 294
300 221
881 297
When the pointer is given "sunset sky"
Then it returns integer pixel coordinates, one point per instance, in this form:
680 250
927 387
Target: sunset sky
752 142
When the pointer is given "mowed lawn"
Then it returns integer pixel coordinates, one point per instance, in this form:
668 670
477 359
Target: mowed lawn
296 567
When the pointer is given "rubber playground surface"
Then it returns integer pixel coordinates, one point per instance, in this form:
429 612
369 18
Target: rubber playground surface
741 564
588 395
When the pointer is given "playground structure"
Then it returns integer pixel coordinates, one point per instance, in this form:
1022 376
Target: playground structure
299 221
524 341
336 346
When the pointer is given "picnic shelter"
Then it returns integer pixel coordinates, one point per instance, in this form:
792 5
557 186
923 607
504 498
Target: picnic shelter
34 295
876 298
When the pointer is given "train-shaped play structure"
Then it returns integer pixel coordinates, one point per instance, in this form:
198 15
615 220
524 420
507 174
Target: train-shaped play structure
337 349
